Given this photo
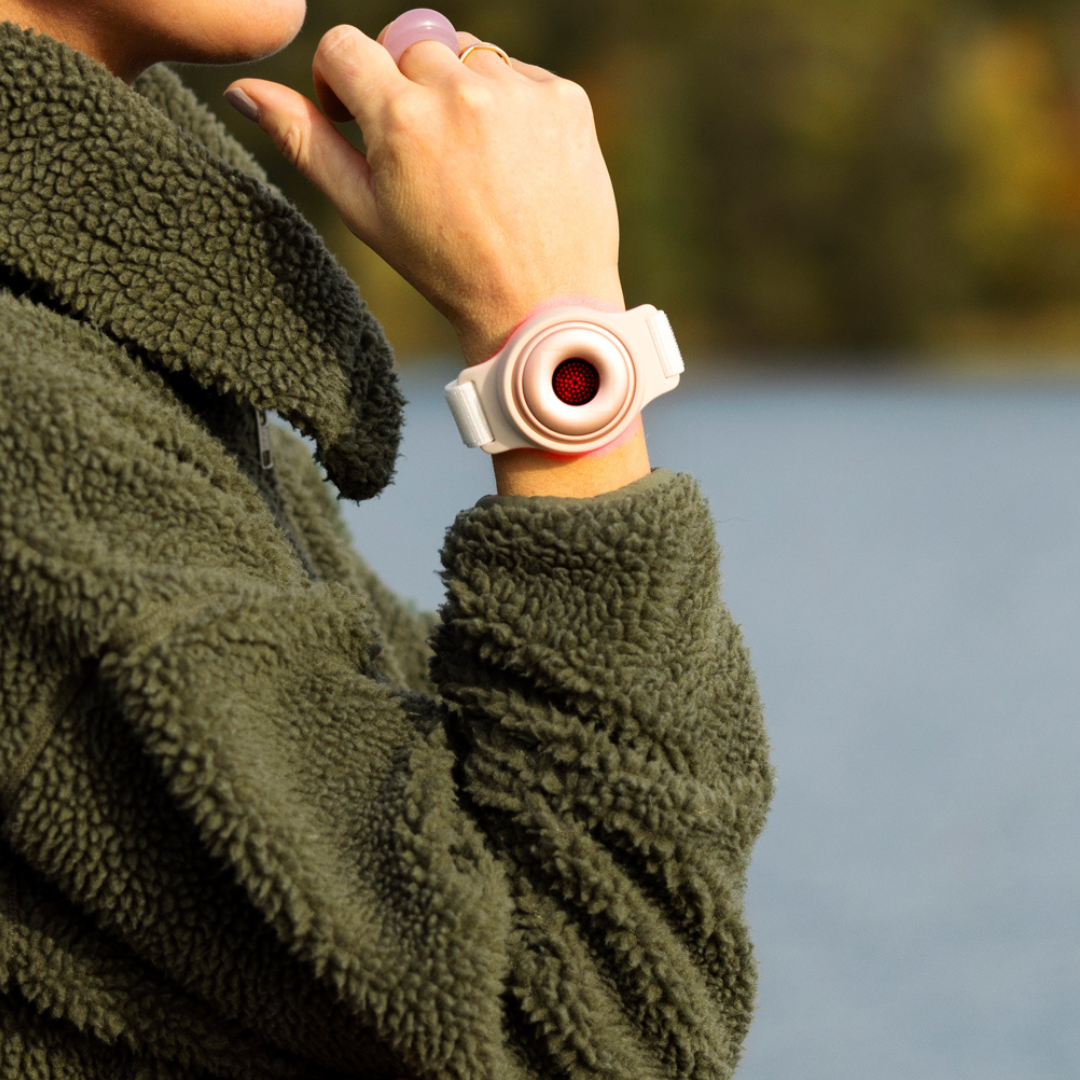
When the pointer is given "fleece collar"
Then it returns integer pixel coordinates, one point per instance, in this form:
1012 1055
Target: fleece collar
131 208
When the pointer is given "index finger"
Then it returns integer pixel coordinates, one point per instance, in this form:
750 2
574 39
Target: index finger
354 74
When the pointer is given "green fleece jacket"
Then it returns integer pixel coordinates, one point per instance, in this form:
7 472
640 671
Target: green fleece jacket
258 818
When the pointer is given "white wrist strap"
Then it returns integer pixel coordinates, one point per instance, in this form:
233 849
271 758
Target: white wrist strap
667 347
468 413
490 402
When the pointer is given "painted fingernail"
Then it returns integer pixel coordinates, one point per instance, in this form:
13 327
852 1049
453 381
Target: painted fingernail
242 103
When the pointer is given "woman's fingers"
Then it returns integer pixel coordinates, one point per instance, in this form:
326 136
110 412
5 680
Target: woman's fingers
331 104
428 63
494 64
345 55
345 52
483 61
356 72
532 71
311 143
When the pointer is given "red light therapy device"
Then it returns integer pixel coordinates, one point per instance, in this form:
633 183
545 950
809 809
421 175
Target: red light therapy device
569 380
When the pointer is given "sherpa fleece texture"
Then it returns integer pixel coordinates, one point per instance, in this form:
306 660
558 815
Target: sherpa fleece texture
245 831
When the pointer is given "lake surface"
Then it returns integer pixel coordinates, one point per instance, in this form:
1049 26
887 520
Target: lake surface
904 558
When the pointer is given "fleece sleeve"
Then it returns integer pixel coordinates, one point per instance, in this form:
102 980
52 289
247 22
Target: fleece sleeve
231 845
612 750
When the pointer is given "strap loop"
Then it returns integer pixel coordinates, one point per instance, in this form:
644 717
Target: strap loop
464 403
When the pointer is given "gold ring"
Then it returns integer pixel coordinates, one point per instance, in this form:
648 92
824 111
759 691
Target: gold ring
466 53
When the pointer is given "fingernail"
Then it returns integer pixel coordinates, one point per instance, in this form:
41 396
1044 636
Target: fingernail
242 103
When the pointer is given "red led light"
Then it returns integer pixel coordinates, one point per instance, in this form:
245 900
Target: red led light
575 382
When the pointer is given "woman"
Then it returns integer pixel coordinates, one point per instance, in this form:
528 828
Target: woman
259 818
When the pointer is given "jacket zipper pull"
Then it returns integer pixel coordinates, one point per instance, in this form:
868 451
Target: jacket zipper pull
266 455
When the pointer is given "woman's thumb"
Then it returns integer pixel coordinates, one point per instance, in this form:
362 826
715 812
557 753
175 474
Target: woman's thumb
311 143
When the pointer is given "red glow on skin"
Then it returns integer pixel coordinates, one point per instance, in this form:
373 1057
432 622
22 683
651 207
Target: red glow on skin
562 301
551 455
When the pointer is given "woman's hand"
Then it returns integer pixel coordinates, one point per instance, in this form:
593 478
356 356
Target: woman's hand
482 185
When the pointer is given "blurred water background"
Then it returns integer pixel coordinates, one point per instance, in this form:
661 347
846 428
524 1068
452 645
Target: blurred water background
903 554
845 182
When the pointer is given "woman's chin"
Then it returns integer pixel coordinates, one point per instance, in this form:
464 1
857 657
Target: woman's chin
219 32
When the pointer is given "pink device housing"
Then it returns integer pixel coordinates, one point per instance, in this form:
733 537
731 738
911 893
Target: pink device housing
509 401
420 24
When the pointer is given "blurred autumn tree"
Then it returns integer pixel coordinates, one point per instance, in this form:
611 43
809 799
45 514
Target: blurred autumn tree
857 175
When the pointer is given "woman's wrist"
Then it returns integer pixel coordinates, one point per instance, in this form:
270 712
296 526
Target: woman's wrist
482 337
537 472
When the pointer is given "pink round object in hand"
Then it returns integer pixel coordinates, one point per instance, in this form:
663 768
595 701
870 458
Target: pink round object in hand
420 24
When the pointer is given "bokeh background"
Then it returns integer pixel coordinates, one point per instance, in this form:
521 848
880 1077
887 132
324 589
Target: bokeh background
864 219
794 176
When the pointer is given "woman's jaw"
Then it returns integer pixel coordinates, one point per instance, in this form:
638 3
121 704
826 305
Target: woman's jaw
128 36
